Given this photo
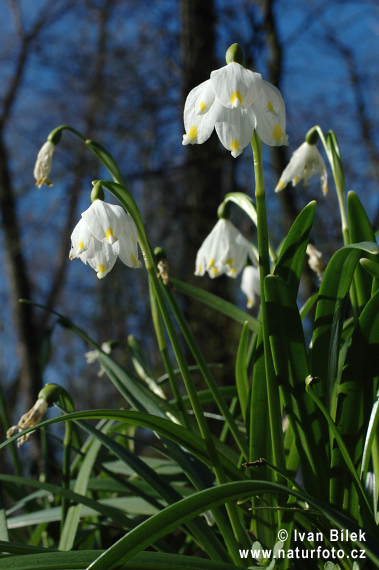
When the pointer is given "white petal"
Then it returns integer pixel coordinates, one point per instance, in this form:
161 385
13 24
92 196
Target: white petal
101 257
105 221
236 86
128 250
270 112
250 284
235 129
200 127
80 239
205 99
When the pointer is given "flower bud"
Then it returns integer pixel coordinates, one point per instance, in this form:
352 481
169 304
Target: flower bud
312 136
235 54
97 192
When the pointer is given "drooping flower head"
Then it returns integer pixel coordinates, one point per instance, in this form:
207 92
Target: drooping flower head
224 251
250 284
305 162
105 232
235 101
42 167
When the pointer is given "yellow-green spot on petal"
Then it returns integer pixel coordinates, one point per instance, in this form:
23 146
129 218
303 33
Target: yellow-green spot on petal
211 262
101 268
134 259
277 133
234 96
270 106
229 261
193 132
235 145
109 234
202 106
214 271
232 270
81 245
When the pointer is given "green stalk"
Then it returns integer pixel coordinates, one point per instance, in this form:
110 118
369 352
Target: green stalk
233 541
274 408
101 153
162 345
207 374
332 151
51 393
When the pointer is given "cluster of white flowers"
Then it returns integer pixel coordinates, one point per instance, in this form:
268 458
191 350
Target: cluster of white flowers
226 251
235 101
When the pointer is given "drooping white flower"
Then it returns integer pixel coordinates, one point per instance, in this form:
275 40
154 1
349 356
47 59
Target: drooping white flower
250 284
235 101
305 162
105 232
42 167
92 355
316 260
224 250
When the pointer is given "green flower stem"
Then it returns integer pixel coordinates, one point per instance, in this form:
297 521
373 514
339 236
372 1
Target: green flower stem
103 155
274 409
334 158
53 393
233 541
205 371
6 426
162 345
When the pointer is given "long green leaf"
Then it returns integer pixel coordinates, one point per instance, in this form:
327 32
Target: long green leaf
291 367
292 254
242 381
81 559
330 313
355 396
170 518
360 229
111 512
71 523
178 434
216 303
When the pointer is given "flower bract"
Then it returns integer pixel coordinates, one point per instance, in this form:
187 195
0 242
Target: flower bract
30 419
105 232
250 284
42 167
305 162
224 250
235 101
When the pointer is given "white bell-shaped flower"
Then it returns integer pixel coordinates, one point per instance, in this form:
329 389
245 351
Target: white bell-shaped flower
235 101
250 284
305 162
225 250
42 167
104 233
